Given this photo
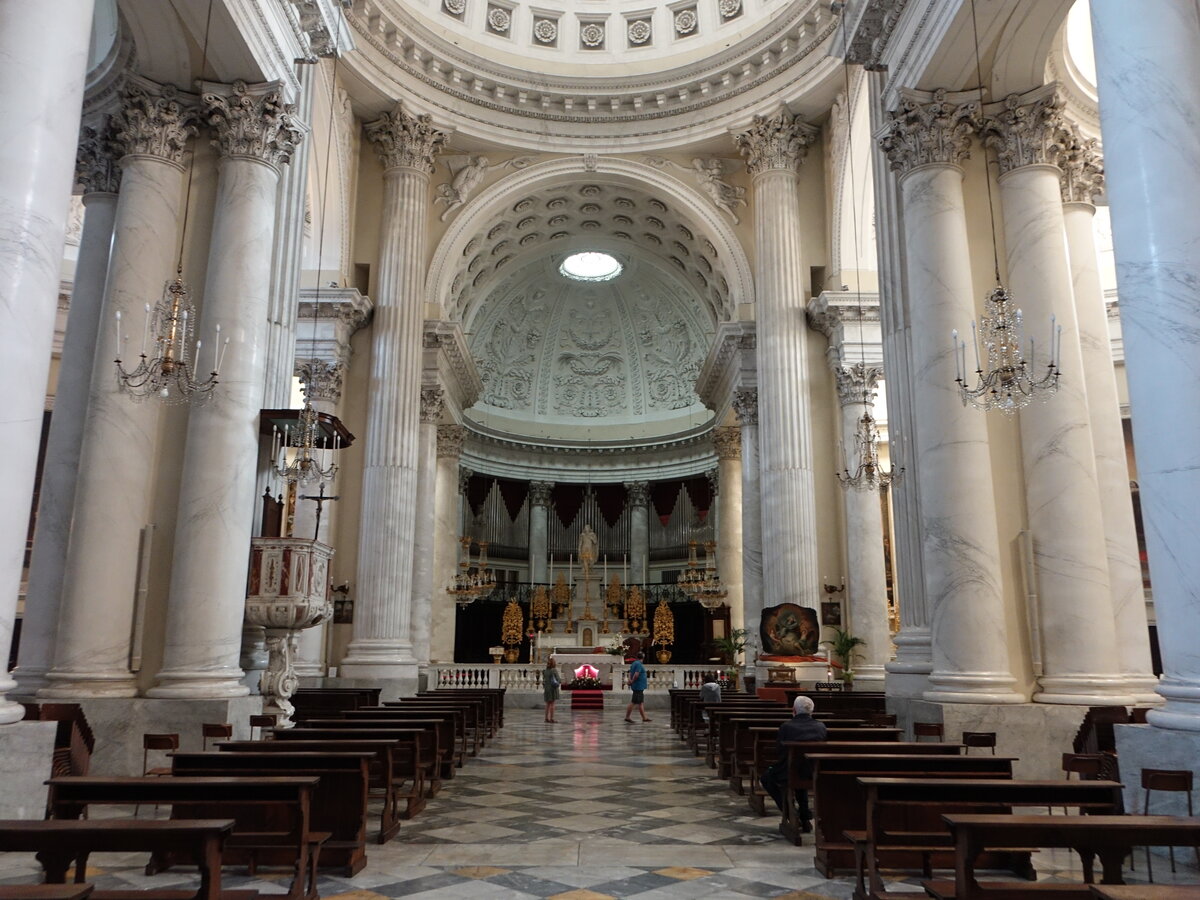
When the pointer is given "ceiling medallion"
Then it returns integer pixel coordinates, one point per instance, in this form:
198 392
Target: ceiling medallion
685 21
590 265
639 31
455 7
499 19
592 35
729 8
545 31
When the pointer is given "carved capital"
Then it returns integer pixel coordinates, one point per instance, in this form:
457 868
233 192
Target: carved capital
727 441
540 493
450 440
775 142
464 474
433 401
920 134
96 160
406 141
1026 129
252 122
639 493
714 480
321 380
857 383
154 120
1082 169
745 406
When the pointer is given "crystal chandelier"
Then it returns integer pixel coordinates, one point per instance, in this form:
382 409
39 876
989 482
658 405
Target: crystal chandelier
169 373
1007 383
309 462
692 578
869 475
712 593
468 584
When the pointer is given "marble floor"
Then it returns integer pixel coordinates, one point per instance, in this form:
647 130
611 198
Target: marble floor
588 809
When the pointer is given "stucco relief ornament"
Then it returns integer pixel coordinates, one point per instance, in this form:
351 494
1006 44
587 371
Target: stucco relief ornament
1082 169
745 406
466 174
455 7
711 177
500 19
433 401
592 34
404 140
450 440
96 158
777 142
253 123
1027 130
639 31
323 380
685 21
922 133
729 8
545 31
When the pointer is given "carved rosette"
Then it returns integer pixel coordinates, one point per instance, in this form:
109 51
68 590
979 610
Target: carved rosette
857 383
1082 169
253 123
639 493
154 120
1027 130
727 441
404 141
450 439
775 142
922 134
433 401
745 406
96 160
540 493
322 380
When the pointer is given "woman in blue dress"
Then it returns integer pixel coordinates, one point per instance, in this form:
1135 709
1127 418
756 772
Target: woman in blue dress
550 688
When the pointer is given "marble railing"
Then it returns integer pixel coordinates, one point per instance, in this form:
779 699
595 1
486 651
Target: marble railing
529 677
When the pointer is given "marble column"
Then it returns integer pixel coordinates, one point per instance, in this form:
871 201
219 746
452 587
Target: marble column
325 391
774 147
539 530
867 578
727 441
99 176
43 61
110 532
1079 641
925 140
382 643
745 406
639 531
1148 72
1082 178
255 136
446 518
432 404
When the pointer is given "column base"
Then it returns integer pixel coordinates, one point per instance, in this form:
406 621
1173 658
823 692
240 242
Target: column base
26 753
869 678
1182 709
973 687
68 685
181 684
1084 690
1144 689
30 680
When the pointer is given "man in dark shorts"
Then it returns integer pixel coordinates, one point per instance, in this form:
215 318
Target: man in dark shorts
638 682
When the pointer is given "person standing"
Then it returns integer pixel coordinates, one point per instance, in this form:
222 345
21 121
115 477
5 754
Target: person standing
550 688
801 727
638 682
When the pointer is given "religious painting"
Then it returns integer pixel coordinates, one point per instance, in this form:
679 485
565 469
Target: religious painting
831 613
789 630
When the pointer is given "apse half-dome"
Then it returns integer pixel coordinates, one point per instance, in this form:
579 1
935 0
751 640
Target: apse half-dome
570 360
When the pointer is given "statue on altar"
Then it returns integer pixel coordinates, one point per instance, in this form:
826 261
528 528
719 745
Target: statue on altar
588 549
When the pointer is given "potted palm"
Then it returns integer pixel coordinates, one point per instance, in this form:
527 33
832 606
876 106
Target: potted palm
730 647
842 646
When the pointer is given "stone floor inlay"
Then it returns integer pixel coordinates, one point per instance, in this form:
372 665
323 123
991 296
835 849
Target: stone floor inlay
586 809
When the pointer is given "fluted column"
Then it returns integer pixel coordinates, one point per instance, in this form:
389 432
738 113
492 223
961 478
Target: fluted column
255 136
774 147
43 60
1082 178
638 493
925 141
867 577
99 176
539 529
111 529
745 406
727 441
1079 641
446 516
1148 72
432 404
381 646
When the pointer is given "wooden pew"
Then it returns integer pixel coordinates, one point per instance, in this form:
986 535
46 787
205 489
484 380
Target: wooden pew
1108 837
313 703
695 726
492 697
461 745
449 742
339 803
719 734
272 814
58 842
475 725
46 891
1131 891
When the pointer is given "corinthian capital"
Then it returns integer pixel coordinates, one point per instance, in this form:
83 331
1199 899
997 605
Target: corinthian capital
406 141
321 380
638 492
450 440
745 406
728 442
1082 169
1026 129
252 122
775 142
154 120
928 132
540 493
96 158
433 401
857 383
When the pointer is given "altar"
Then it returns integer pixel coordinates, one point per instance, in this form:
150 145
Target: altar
567 660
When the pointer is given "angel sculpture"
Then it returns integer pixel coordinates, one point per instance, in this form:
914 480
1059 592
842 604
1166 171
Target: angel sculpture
467 176
710 175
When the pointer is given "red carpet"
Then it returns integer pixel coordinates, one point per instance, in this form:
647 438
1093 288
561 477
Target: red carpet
587 699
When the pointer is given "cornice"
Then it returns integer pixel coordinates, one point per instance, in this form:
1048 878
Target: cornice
730 364
448 360
870 25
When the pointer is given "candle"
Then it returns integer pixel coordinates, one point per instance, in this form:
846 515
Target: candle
606 567
550 577
570 568
625 567
145 329
975 343
954 344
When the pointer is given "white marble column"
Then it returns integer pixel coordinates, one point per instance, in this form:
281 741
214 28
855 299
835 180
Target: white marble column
539 530
745 405
774 147
446 517
1148 73
43 60
867 575
381 646
114 490
255 136
925 141
1079 641
424 587
99 176
1082 178
727 441
639 531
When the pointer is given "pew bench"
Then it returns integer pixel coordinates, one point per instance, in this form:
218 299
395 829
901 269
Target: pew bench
1134 891
378 729
457 736
475 723
45 891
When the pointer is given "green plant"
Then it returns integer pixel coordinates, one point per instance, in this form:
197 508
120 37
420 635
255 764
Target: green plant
842 646
731 646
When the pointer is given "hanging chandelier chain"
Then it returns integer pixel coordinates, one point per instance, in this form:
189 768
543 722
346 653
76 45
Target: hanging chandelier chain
987 172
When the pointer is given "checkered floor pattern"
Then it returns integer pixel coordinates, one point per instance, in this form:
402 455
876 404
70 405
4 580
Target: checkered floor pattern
588 809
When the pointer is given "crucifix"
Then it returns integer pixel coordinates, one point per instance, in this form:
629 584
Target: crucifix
320 499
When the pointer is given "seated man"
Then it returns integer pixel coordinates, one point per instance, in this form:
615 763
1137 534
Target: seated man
801 727
710 692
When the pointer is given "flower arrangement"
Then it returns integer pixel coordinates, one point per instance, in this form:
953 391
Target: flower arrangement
584 684
616 647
